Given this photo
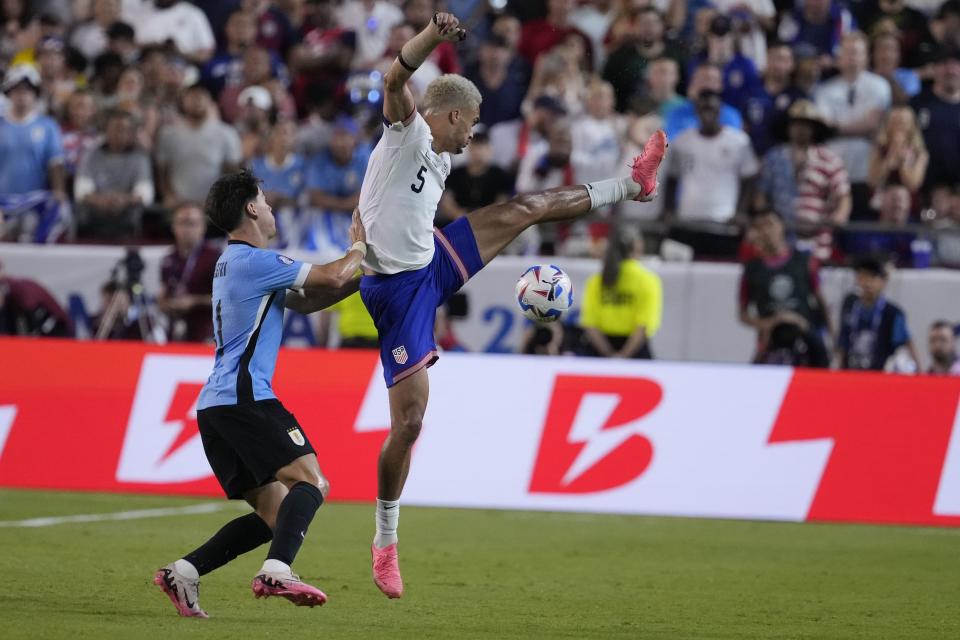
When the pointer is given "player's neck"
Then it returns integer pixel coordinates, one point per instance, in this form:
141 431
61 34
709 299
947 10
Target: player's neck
251 236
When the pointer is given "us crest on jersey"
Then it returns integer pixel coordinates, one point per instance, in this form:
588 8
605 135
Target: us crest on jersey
400 355
296 435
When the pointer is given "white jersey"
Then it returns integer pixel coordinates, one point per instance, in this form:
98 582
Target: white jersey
399 197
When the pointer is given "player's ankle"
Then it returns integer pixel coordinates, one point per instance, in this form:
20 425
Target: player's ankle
388 519
271 565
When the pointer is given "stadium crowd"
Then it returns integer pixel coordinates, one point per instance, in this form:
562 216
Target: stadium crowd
835 120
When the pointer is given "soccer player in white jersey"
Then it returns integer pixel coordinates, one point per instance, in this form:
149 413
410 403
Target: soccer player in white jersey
411 268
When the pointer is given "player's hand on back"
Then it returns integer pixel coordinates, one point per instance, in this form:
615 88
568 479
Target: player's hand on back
357 232
448 27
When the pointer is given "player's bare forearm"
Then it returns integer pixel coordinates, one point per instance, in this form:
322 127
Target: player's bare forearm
336 274
313 300
398 102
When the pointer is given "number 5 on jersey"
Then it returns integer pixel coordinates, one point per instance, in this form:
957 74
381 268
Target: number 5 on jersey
417 188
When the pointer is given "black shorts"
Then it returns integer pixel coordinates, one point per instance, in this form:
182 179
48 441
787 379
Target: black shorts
247 443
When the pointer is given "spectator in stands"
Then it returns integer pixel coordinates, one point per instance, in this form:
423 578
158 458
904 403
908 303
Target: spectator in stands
256 69
502 81
79 131
476 184
90 37
121 40
894 211
371 21
944 32
663 76
333 185
19 29
57 80
622 306
130 98
911 24
354 324
508 26
904 83
418 14
707 77
872 328
558 74
426 73
740 78
819 23
177 22
254 120
186 277
899 154
808 71
766 110
595 138
513 140
942 342
32 177
938 113
114 183
546 166
854 102
593 18
28 309
540 36
804 181
750 21
195 151
240 33
106 73
274 29
626 67
712 167
283 172
780 297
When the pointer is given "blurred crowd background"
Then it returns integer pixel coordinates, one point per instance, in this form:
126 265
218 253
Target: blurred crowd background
802 133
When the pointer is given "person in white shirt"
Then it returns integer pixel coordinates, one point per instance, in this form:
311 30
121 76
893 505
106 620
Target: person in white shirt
411 268
179 22
751 19
372 21
854 103
711 167
597 136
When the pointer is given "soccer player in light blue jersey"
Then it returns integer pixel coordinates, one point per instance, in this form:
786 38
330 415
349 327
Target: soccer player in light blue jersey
256 448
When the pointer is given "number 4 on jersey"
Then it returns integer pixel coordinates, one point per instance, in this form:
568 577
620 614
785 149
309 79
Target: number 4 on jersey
417 188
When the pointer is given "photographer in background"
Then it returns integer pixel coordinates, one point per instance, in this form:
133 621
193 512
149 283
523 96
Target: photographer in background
186 277
27 309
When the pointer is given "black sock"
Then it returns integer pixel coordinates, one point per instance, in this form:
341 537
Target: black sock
293 518
238 536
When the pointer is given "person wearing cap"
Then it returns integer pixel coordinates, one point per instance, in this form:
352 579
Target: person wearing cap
256 67
192 153
803 180
501 78
32 176
257 114
334 177
938 113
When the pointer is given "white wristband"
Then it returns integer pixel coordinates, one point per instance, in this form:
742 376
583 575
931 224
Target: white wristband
361 247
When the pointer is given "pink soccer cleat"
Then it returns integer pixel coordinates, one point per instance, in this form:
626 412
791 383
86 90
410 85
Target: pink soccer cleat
287 585
183 592
645 165
386 570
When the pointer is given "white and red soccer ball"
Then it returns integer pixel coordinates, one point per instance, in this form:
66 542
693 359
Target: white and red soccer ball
544 292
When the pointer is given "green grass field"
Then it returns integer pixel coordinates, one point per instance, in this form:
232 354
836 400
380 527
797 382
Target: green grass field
489 574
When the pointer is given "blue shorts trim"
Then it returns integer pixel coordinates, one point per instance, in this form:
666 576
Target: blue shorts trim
404 305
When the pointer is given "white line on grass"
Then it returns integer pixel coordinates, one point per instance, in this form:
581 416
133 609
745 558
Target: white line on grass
204 507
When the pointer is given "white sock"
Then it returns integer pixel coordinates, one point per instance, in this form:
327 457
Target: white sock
275 566
186 569
612 191
388 517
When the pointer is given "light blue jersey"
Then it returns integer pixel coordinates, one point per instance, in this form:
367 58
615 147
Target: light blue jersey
249 289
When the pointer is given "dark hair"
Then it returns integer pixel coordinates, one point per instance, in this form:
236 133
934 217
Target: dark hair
619 247
872 265
941 324
228 197
121 31
763 212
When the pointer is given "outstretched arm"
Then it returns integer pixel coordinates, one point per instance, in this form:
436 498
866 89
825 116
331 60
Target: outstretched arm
336 276
398 101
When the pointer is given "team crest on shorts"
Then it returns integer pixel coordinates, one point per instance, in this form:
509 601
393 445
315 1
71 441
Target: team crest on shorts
296 435
400 355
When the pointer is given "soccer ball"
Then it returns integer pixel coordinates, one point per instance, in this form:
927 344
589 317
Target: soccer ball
544 292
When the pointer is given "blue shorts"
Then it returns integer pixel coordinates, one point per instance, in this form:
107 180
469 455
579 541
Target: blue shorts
404 305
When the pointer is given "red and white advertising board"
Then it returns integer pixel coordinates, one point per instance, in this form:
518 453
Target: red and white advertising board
511 432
